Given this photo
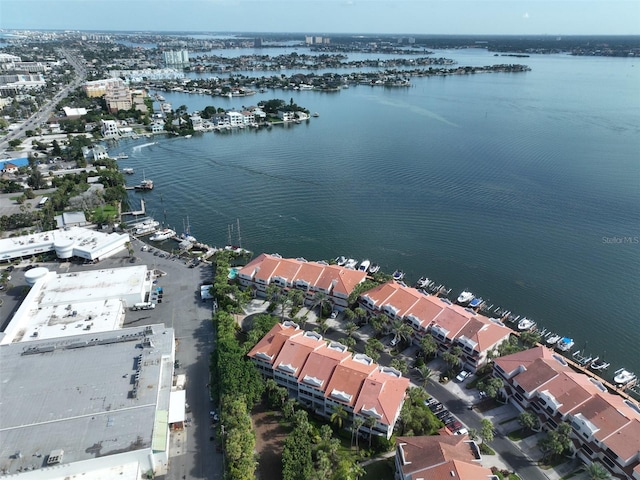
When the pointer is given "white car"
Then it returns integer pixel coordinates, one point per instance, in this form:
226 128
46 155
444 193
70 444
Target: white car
334 315
394 341
462 376
462 431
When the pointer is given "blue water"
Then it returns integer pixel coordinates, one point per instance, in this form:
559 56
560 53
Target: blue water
523 188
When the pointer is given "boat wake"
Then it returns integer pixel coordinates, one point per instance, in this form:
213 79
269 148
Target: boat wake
137 148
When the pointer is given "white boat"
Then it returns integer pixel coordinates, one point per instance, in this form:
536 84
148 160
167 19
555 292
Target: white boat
623 377
341 260
465 297
423 282
128 171
121 156
398 275
599 364
146 229
374 268
565 344
552 339
364 265
187 136
351 263
163 234
526 324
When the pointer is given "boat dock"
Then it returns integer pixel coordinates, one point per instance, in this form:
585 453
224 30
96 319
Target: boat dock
135 213
585 369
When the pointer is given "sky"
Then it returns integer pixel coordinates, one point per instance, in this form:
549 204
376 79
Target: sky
418 17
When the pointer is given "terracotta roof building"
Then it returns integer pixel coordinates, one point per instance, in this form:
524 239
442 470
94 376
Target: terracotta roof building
606 427
310 277
324 375
450 325
439 458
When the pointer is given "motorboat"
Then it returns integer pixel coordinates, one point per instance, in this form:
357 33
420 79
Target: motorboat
351 263
364 265
145 228
163 234
582 357
374 268
599 364
465 297
565 344
121 156
423 282
475 303
624 377
398 275
145 184
341 260
128 171
553 339
526 324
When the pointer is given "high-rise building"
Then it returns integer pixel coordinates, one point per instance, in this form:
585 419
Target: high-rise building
177 57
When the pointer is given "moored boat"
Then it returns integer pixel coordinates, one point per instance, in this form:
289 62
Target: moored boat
599 364
553 339
341 260
374 268
351 263
145 184
128 171
364 265
121 156
465 297
475 303
526 324
423 282
565 344
163 234
624 377
398 275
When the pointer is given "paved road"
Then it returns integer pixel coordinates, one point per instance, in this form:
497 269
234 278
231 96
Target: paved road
43 114
510 454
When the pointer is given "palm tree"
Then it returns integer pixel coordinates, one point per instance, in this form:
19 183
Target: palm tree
338 416
425 372
404 332
361 314
370 423
428 346
356 425
273 292
486 430
350 327
320 299
595 471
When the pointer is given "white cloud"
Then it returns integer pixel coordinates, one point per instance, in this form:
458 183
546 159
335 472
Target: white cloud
526 15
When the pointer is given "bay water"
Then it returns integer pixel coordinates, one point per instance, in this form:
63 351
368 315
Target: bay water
523 188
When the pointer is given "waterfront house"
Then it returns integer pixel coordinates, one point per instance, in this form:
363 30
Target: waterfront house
157 127
450 325
310 277
439 457
324 375
286 115
605 426
109 129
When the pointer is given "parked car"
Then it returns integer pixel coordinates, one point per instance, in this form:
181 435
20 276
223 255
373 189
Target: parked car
334 314
394 341
462 431
463 375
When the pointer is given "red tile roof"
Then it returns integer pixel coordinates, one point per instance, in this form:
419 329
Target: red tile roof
436 457
347 379
381 394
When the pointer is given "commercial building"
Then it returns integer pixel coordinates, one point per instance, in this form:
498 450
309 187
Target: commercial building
66 243
98 88
64 304
92 405
325 375
450 325
605 426
311 277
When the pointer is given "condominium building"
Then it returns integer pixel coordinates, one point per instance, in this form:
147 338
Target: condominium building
324 375
605 426
177 57
311 277
450 325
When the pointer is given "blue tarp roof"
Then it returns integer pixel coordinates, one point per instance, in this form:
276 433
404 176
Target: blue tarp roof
18 162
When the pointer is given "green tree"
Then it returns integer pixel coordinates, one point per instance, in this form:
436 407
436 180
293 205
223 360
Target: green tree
400 365
320 300
486 430
350 328
370 423
530 339
528 420
338 416
428 346
595 471
425 373
356 425
492 387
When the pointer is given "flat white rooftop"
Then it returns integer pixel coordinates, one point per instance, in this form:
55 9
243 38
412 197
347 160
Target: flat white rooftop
62 305
102 398
78 241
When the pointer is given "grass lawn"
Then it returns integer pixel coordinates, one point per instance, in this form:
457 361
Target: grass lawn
517 435
380 469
